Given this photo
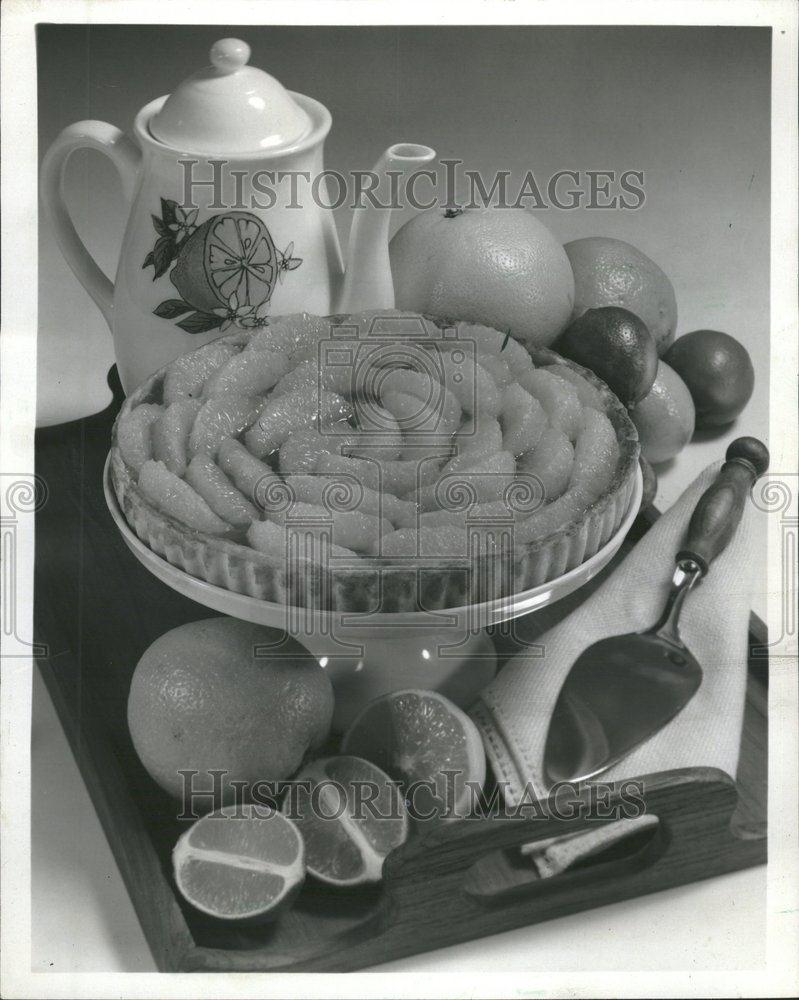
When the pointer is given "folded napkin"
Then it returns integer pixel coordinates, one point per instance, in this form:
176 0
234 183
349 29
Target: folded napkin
513 712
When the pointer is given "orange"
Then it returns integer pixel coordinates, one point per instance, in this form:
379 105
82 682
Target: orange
428 744
613 273
498 267
351 816
665 417
240 864
222 694
231 254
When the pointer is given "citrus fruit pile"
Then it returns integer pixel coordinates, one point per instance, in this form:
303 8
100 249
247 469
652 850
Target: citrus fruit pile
504 269
239 709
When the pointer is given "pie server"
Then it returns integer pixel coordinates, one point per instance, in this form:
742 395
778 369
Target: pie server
623 689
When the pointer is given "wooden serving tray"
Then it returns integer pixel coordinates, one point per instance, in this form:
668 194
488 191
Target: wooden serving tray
97 610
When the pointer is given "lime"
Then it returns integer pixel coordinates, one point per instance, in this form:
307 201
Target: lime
616 345
351 816
231 254
240 863
718 372
428 744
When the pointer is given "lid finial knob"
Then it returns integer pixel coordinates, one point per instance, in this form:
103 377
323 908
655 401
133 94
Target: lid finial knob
229 55
229 107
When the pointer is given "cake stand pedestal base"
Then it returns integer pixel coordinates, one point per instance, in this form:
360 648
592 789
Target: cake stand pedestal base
364 663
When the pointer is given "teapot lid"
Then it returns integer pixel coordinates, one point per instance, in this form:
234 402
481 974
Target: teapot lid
230 107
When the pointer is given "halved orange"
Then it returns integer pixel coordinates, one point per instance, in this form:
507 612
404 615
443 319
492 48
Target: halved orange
351 816
428 744
228 254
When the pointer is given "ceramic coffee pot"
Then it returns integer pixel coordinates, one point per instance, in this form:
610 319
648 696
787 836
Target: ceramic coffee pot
230 218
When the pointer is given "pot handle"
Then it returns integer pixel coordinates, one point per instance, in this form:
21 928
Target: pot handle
126 156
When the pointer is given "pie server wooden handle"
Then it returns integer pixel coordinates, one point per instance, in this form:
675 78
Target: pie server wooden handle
719 510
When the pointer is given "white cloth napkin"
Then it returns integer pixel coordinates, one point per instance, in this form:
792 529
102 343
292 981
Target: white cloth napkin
513 712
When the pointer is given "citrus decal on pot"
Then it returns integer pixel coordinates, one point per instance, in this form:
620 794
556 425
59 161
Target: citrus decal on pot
225 269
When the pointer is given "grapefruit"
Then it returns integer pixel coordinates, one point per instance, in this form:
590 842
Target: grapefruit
614 273
498 267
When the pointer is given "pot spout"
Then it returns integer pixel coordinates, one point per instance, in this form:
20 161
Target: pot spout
367 279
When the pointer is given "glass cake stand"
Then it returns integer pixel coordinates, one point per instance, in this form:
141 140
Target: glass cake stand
369 654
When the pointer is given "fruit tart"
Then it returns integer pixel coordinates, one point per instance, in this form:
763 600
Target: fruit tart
374 462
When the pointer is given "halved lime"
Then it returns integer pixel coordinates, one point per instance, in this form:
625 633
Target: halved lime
240 863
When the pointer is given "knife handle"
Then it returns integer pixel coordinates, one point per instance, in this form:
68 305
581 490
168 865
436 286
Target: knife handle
719 510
